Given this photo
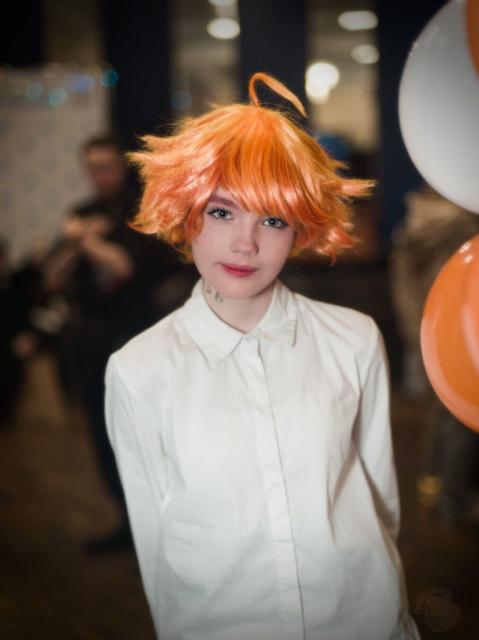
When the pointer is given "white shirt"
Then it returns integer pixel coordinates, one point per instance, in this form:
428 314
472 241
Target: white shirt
259 474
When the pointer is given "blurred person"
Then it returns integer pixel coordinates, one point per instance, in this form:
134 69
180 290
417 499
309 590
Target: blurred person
433 229
21 294
106 273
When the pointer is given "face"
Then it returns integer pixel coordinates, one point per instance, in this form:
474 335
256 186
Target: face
233 237
106 169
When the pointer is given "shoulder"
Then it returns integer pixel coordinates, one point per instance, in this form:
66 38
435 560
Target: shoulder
341 322
146 358
342 328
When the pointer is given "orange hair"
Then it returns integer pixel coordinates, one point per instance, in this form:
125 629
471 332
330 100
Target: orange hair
268 163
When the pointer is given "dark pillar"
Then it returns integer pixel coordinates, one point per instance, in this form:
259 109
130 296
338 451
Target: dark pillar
137 47
273 39
399 24
21 42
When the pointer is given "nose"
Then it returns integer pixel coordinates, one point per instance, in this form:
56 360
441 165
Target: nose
244 240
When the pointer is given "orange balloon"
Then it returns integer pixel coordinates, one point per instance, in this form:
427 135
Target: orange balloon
471 313
450 334
472 30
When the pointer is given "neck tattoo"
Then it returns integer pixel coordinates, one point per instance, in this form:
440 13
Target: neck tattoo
209 290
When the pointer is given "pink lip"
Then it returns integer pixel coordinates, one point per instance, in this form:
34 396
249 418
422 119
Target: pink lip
238 269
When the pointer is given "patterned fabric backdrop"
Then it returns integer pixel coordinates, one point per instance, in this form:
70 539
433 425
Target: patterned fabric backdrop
45 115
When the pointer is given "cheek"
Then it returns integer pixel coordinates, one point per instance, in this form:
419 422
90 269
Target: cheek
278 246
206 243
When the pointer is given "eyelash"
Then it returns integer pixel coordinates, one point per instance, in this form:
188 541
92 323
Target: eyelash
217 209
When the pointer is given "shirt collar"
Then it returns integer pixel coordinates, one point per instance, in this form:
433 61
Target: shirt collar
217 339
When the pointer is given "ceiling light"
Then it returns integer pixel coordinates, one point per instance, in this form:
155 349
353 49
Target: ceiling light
365 54
223 3
317 94
223 28
323 73
321 77
357 20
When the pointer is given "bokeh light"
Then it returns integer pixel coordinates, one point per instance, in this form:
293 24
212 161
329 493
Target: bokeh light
34 91
357 20
57 97
365 54
321 77
223 3
81 82
223 28
109 78
181 100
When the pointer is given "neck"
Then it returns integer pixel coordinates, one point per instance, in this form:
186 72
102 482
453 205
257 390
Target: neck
242 314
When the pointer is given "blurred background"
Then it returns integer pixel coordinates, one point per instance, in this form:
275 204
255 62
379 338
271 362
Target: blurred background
80 80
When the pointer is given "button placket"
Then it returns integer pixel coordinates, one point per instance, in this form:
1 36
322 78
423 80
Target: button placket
269 458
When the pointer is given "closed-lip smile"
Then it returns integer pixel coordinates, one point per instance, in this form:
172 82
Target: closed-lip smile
239 267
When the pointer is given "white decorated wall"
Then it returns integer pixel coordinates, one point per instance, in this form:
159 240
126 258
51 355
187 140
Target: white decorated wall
45 116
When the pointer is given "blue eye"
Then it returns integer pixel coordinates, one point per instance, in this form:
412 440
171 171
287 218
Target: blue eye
277 223
219 214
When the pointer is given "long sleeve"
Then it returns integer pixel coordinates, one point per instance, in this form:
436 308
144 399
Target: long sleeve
373 437
137 449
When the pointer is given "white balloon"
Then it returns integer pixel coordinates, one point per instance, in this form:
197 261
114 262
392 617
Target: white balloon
439 107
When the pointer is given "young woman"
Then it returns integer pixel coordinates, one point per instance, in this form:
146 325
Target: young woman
251 426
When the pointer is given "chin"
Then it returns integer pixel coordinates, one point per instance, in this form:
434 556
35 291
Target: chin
244 288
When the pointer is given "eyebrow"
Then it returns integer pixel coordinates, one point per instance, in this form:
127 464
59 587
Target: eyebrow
225 201
228 203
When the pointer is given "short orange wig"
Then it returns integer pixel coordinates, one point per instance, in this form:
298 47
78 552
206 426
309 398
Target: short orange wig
268 163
